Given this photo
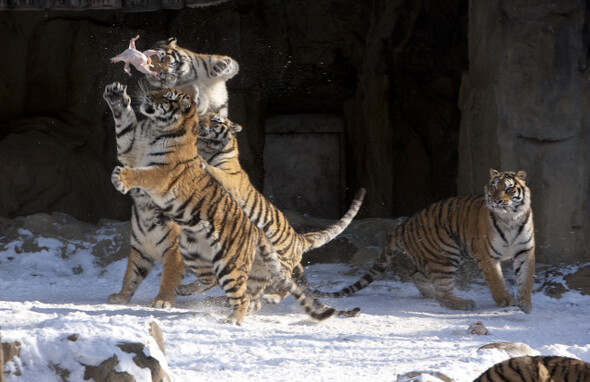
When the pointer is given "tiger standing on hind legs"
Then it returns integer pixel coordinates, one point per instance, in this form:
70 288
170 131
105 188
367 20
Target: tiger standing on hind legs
151 238
216 235
491 228
203 77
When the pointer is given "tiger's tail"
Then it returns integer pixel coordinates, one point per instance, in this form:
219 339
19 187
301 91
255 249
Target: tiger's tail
310 305
377 269
316 239
314 307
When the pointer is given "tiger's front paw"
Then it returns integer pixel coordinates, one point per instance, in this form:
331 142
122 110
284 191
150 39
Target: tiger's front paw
116 96
116 179
226 67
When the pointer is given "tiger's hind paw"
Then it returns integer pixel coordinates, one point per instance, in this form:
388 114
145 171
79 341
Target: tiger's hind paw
456 303
160 303
235 319
119 299
185 290
254 306
189 289
525 306
506 301
272 298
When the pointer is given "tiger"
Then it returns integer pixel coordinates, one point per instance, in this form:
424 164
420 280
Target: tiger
490 228
537 369
216 237
152 239
203 76
218 146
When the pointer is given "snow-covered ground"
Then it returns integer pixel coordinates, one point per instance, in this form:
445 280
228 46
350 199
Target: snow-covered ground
53 287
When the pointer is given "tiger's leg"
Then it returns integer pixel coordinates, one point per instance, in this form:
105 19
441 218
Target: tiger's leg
231 278
524 269
201 267
423 284
312 306
203 283
138 267
492 273
233 282
172 272
141 259
258 279
441 274
255 288
150 243
276 294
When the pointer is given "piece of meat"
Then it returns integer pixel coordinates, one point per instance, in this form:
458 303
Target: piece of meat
141 60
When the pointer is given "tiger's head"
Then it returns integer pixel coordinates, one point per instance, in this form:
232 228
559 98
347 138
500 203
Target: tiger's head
216 131
166 106
507 192
170 64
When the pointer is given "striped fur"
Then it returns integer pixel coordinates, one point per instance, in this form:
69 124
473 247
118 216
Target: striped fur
201 75
151 241
491 228
218 145
537 369
217 239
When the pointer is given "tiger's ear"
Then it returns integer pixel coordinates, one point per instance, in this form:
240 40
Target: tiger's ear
172 42
236 128
521 174
494 173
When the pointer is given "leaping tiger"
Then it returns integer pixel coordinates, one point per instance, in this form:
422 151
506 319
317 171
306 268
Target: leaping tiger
203 76
216 235
150 239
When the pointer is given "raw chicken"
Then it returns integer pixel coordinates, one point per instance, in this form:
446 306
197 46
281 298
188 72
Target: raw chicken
141 60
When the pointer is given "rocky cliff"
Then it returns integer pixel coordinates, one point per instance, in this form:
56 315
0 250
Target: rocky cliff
423 97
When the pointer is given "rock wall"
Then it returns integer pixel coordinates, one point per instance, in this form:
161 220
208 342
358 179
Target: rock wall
388 69
424 114
524 104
